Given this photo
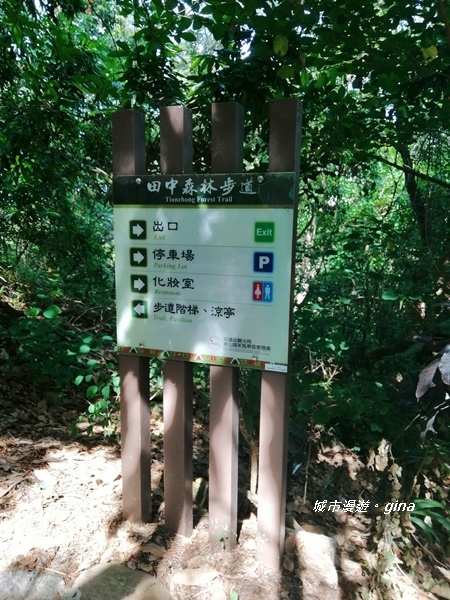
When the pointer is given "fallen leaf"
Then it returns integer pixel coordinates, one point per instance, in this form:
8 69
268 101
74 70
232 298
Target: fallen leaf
444 572
442 590
153 549
11 482
26 562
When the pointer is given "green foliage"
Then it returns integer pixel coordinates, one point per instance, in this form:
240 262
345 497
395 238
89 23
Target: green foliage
42 347
100 381
369 93
157 378
98 376
432 517
55 355
372 262
363 290
53 144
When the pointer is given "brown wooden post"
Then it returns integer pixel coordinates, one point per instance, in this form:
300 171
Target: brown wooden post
284 155
227 157
176 157
129 159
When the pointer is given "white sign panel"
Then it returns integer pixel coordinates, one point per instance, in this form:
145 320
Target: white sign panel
204 276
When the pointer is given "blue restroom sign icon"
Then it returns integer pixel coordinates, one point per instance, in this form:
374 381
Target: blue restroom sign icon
263 291
263 262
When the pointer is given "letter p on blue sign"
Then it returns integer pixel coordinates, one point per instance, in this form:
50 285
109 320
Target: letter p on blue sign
263 262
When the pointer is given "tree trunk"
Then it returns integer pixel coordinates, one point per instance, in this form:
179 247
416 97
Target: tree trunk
418 201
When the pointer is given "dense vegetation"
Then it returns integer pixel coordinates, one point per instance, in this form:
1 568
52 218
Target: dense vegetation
372 255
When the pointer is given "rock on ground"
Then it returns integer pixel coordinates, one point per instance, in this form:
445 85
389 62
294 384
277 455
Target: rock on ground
117 582
17 584
316 555
104 581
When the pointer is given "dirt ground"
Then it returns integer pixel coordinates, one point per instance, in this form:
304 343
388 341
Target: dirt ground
60 513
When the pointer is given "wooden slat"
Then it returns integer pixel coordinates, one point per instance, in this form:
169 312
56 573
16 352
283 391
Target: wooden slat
176 157
284 155
129 159
227 156
178 447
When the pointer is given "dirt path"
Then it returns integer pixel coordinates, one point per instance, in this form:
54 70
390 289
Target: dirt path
60 513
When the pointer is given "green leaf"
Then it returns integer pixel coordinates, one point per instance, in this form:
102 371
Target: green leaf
78 379
91 391
422 503
32 312
440 519
188 36
428 530
429 53
280 45
84 349
321 81
286 72
106 392
316 306
389 295
196 62
52 312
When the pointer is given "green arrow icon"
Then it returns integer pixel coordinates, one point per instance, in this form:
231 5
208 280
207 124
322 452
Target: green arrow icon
139 309
139 283
138 230
138 257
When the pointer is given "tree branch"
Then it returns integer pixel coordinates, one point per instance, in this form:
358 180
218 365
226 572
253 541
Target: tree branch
410 171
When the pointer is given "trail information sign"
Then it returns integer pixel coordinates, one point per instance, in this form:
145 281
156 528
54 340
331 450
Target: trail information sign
203 267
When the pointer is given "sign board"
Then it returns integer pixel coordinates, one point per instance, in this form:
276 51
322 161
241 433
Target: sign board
203 267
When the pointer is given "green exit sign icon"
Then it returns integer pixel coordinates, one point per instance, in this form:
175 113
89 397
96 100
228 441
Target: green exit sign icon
264 231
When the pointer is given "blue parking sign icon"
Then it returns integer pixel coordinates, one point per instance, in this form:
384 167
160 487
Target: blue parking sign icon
263 262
